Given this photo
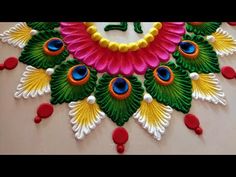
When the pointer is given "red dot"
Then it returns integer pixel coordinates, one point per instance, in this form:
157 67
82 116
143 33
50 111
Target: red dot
2 66
198 130
45 110
228 72
232 23
10 63
120 148
120 135
191 121
37 119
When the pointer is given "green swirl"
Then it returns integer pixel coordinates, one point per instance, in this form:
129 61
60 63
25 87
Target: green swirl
34 55
118 110
204 29
207 60
178 94
63 91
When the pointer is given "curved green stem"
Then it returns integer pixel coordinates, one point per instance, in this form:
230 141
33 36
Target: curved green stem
122 26
137 27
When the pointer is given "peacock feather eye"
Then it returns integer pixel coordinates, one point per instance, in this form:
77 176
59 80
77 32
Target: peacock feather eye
163 75
188 49
54 46
120 88
78 75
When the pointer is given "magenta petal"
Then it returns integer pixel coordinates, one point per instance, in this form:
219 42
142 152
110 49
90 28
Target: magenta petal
171 37
102 63
114 65
151 60
85 53
138 63
174 29
79 45
176 23
74 38
163 55
126 65
167 45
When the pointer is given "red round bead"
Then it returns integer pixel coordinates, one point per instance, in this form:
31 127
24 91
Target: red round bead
228 72
2 66
45 110
120 135
37 119
10 63
232 23
198 130
120 148
191 121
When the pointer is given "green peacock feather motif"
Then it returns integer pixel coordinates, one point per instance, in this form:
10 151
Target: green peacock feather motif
64 91
177 94
206 60
34 55
119 110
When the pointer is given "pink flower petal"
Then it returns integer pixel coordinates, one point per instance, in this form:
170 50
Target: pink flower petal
80 44
126 65
114 65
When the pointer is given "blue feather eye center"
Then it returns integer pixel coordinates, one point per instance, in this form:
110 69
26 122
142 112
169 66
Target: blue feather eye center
79 72
55 44
163 73
120 86
187 47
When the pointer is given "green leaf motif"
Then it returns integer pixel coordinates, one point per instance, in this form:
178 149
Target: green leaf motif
178 94
118 110
63 91
34 55
206 61
41 26
204 29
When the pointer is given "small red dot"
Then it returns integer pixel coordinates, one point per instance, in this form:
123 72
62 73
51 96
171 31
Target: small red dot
120 148
120 135
191 121
37 119
228 72
10 63
45 110
2 66
198 130
232 23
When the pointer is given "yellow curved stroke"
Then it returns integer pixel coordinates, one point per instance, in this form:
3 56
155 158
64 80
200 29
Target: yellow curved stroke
85 116
18 35
34 82
207 87
224 44
154 117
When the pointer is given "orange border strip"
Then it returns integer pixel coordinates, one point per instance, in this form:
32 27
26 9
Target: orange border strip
79 82
193 55
117 96
48 52
161 81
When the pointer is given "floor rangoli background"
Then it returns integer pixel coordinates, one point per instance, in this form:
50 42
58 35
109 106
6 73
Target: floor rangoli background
20 135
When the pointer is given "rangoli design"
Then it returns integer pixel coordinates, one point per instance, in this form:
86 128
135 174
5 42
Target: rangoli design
80 64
